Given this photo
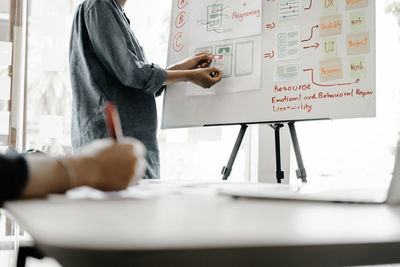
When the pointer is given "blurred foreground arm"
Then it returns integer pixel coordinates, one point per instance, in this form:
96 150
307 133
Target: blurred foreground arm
104 165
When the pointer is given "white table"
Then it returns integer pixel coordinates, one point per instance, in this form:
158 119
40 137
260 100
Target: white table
205 229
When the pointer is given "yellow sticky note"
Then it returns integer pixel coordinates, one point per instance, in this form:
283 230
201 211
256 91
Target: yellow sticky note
329 48
358 43
358 67
356 4
329 7
331 70
330 25
357 22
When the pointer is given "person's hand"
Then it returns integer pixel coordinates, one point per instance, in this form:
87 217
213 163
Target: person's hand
110 166
200 60
206 77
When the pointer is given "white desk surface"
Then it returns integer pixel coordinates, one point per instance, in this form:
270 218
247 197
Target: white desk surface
208 229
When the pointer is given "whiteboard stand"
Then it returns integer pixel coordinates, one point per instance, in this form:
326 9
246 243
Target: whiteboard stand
226 170
280 175
301 171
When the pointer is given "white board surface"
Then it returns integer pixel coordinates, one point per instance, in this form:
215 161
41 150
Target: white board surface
283 60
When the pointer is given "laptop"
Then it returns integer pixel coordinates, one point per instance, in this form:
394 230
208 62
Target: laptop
362 194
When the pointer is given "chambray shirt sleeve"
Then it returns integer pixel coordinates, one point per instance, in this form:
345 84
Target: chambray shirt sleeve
13 177
109 45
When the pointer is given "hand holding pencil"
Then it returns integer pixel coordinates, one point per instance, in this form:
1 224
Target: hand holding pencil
114 129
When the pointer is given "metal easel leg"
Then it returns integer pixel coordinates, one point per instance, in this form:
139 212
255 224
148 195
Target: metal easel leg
226 170
280 175
301 171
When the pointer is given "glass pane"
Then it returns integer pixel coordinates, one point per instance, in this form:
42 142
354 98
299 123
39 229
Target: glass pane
49 91
5 80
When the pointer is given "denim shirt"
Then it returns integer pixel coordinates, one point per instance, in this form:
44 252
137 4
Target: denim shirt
107 63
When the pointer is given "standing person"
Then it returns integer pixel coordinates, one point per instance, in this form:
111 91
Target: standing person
107 63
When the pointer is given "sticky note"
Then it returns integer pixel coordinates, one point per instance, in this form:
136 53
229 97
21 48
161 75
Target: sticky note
331 69
329 48
330 25
358 43
356 4
244 58
357 22
226 51
329 7
358 67
208 49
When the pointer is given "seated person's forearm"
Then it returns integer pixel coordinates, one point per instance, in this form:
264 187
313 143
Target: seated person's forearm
47 175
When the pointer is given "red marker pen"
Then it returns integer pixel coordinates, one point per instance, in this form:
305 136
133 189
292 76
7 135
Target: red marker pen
112 121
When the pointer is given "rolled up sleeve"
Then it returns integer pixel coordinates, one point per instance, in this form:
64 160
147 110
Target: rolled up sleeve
111 46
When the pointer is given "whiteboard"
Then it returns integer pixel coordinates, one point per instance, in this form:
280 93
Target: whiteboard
284 60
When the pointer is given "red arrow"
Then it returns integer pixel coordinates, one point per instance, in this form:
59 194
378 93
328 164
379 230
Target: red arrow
312 46
312 33
270 26
269 55
328 85
307 8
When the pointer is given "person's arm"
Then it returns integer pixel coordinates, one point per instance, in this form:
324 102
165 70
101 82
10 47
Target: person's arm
104 165
198 61
109 43
202 77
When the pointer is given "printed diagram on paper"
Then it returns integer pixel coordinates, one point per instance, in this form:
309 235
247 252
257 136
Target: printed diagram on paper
240 61
230 30
215 20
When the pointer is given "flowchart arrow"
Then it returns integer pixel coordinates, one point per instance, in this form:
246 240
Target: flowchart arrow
270 26
312 33
328 85
312 46
308 8
269 55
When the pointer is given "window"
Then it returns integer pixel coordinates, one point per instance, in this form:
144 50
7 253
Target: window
5 62
49 91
